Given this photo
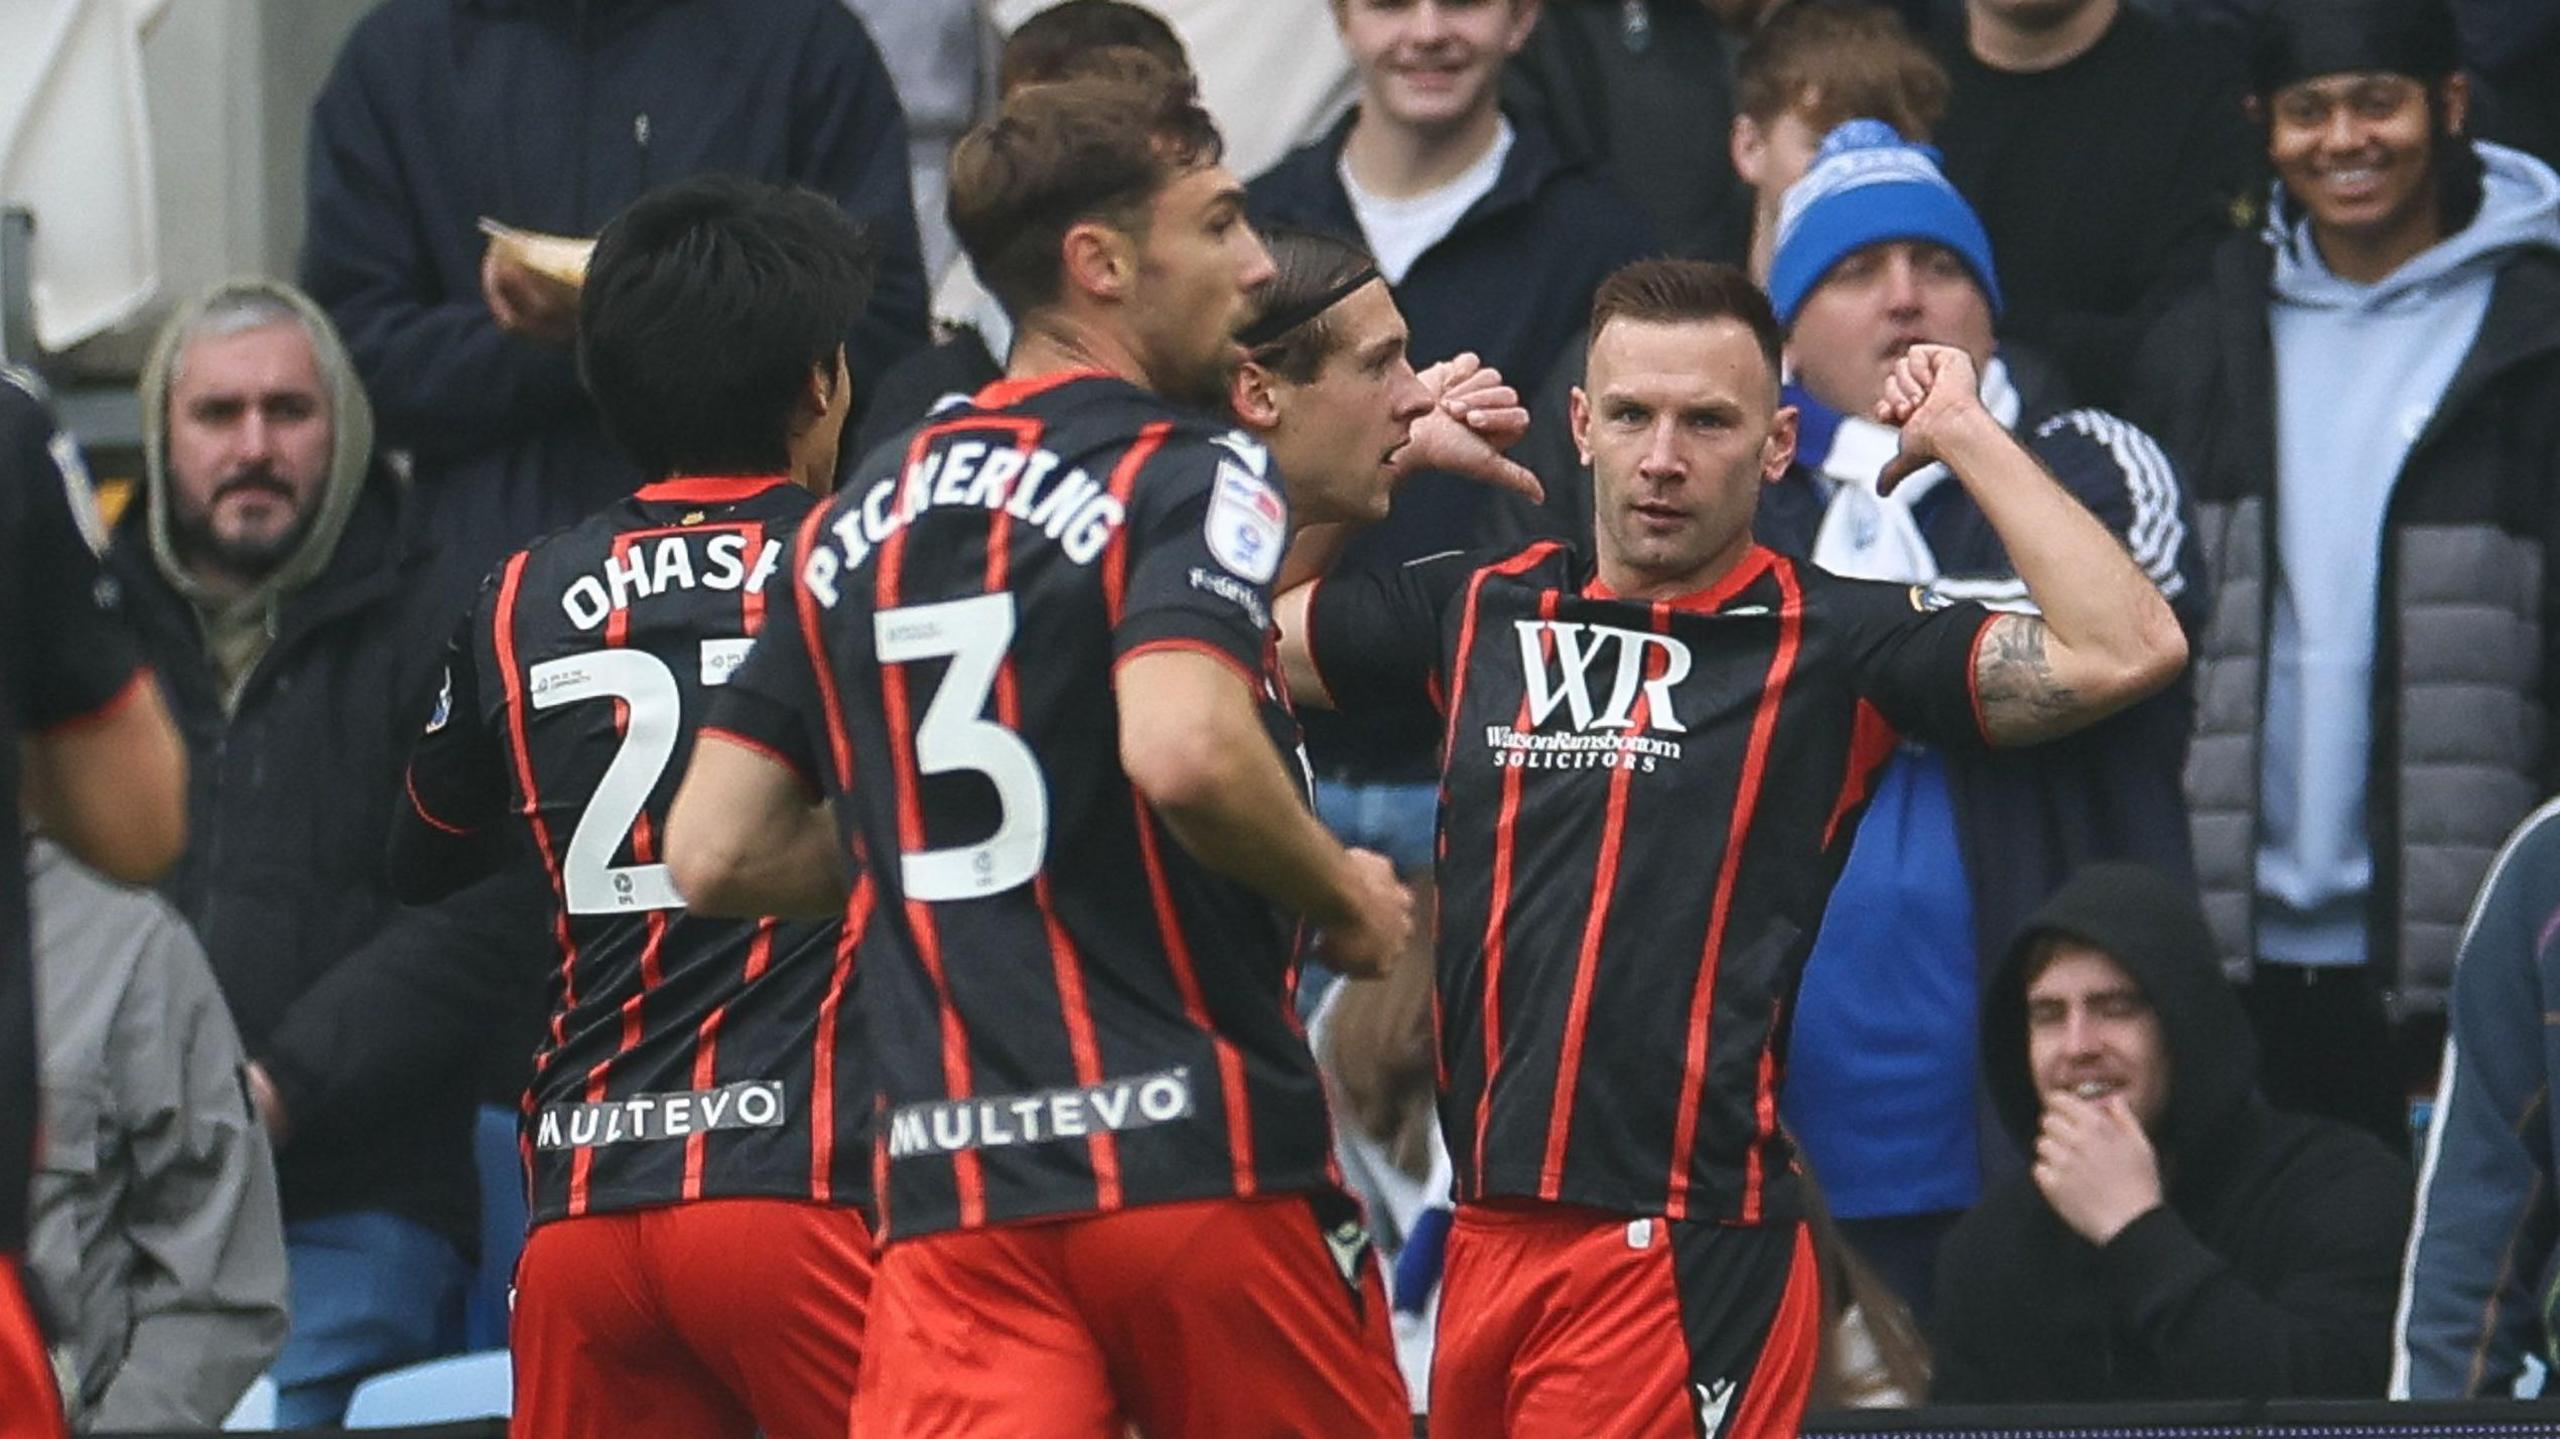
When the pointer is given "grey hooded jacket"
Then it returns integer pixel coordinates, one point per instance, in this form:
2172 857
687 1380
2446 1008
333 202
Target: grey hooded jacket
157 1239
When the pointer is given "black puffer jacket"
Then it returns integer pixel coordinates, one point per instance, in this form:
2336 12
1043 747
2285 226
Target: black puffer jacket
2271 1270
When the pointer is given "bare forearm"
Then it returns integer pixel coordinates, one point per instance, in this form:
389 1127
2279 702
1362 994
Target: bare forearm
744 840
113 789
1291 615
2107 637
2092 594
1195 749
1256 829
795 874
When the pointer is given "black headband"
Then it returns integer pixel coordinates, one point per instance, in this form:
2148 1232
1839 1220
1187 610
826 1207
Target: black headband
1272 324
2306 39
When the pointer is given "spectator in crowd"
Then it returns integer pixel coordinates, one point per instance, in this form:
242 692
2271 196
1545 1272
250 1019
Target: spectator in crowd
1629 86
1808 70
1492 243
281 586
2105 150
2511 51
1811 69
1270 77
2365 402
87 749
2475 1301
1074 38
2513 54
157 1236
1876 253
937 53
551 116
2175 1238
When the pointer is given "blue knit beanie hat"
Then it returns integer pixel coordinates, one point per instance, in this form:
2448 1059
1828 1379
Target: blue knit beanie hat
1867 186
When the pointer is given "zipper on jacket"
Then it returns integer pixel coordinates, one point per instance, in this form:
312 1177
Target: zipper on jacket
640 137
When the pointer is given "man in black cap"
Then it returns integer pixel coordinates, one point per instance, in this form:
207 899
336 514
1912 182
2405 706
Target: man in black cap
2175 1238
2364 400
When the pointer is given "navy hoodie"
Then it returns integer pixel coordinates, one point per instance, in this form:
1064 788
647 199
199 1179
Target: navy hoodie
553 115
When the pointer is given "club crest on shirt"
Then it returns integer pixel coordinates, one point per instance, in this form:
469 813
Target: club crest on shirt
1248 525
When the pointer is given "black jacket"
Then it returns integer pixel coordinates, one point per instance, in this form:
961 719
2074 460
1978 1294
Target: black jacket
2270 1272
367 1016
1513 283
1644 93
2103 182
2467 620
553 115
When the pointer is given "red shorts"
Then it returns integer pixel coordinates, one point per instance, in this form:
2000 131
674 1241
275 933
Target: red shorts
720 1317
1214 1319
30 1405
1565 1323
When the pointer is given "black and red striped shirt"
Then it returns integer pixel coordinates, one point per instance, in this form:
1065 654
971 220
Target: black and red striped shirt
1644 806
1070 1015
687 1058
66 657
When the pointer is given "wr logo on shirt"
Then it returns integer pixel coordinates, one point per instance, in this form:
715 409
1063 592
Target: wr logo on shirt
1562 662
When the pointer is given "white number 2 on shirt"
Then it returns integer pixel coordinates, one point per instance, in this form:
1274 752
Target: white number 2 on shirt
593 883
956 736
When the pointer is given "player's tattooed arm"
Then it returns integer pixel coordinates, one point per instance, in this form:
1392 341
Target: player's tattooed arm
2023 700
2106 637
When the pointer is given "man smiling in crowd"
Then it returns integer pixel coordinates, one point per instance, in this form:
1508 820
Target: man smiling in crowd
2365 402
2175 1238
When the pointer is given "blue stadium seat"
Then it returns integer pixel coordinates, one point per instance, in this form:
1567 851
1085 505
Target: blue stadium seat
502 1221
440 1391
256 1411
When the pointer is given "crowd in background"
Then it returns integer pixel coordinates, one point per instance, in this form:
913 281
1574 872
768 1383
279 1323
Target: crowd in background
2273 288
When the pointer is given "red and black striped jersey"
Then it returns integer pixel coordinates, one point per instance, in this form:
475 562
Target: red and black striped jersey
687 1057
65 657
1070 1015
1644 806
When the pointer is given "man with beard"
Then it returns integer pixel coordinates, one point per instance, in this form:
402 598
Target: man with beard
274 572
1029 650
2175 1237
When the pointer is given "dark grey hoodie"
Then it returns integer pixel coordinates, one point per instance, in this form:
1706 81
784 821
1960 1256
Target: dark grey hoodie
2270 1272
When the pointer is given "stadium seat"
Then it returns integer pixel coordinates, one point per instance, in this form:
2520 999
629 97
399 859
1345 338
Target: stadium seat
256 1410
440 1391
502 1221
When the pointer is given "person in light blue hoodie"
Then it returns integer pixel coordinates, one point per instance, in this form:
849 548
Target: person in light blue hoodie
2365 397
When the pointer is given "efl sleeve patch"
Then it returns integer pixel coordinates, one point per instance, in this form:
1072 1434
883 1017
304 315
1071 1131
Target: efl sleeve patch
1247 525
